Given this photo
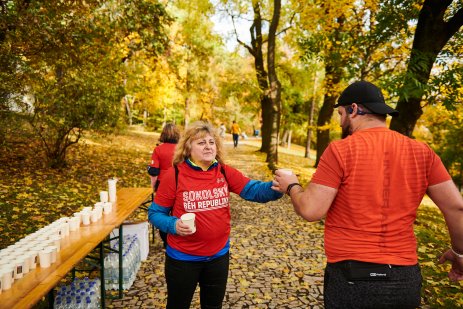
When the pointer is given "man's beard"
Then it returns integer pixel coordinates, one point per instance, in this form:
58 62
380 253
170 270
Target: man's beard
346 130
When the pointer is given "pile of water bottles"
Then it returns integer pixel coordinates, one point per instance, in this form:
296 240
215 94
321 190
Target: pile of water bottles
131 261
80 294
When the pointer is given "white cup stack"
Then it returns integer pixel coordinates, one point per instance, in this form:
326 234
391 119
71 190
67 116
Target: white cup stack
112 189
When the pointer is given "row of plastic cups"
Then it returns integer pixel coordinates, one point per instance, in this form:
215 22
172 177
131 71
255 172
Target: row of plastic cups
107 207
19 259
41 247
61 227
90 215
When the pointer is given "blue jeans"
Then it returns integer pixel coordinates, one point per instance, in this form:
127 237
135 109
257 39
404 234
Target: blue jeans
402 290
182 278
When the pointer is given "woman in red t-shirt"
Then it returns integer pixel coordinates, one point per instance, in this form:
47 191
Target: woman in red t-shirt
161 159
199 185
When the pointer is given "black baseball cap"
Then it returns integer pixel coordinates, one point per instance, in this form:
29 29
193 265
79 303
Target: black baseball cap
367 94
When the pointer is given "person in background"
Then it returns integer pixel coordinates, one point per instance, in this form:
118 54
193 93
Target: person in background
222 130
236 131
200 182
163 154
161 159
369 185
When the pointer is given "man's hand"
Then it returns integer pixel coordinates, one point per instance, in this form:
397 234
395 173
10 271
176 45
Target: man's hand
456 273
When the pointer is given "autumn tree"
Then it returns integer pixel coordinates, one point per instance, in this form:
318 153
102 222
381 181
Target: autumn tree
355 40
443 128
264 16
438 22
68 56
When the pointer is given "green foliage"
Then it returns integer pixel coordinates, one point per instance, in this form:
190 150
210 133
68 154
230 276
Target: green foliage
445 134
66 57
437 291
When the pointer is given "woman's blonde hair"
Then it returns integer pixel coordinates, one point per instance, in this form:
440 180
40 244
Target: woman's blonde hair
196 130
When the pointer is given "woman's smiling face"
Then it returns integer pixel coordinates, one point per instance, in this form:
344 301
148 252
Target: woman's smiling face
203 151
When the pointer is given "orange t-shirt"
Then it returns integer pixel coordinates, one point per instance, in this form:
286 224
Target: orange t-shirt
381 177
235 129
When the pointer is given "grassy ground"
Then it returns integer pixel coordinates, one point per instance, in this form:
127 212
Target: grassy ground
32 195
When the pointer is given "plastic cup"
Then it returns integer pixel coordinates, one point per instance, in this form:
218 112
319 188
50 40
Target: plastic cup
94 216
189 219
55 241
285 171
86 218
53 253
33 258
74 224
112 190
107 208
45 258
64 229
20 265
99 210
6 275
23 255
104 196
78 215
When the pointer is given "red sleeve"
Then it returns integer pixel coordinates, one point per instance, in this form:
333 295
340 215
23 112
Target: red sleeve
329 171
155 160
437 172
235 179
165 195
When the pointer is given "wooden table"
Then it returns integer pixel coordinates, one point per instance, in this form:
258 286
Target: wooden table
29 290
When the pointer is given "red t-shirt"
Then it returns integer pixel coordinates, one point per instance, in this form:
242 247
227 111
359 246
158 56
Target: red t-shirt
162 158
205 193
381 177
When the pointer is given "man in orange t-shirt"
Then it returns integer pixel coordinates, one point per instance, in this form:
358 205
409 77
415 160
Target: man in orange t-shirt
369 185
236 131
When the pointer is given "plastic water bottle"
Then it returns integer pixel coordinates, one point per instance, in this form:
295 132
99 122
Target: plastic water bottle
69 303
131 261
58 303
88 303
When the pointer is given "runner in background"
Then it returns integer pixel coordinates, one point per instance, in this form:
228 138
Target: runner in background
236 131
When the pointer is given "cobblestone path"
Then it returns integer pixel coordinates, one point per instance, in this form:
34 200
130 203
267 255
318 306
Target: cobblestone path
276 261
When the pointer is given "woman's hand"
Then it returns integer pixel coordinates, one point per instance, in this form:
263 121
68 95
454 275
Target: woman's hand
182 229
282 180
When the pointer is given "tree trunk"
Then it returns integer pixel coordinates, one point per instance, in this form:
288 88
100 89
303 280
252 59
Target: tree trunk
332 80
266 129
129 111
310 124
289 139
275 87
261 74
323 130
431 35
187 112
284 138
